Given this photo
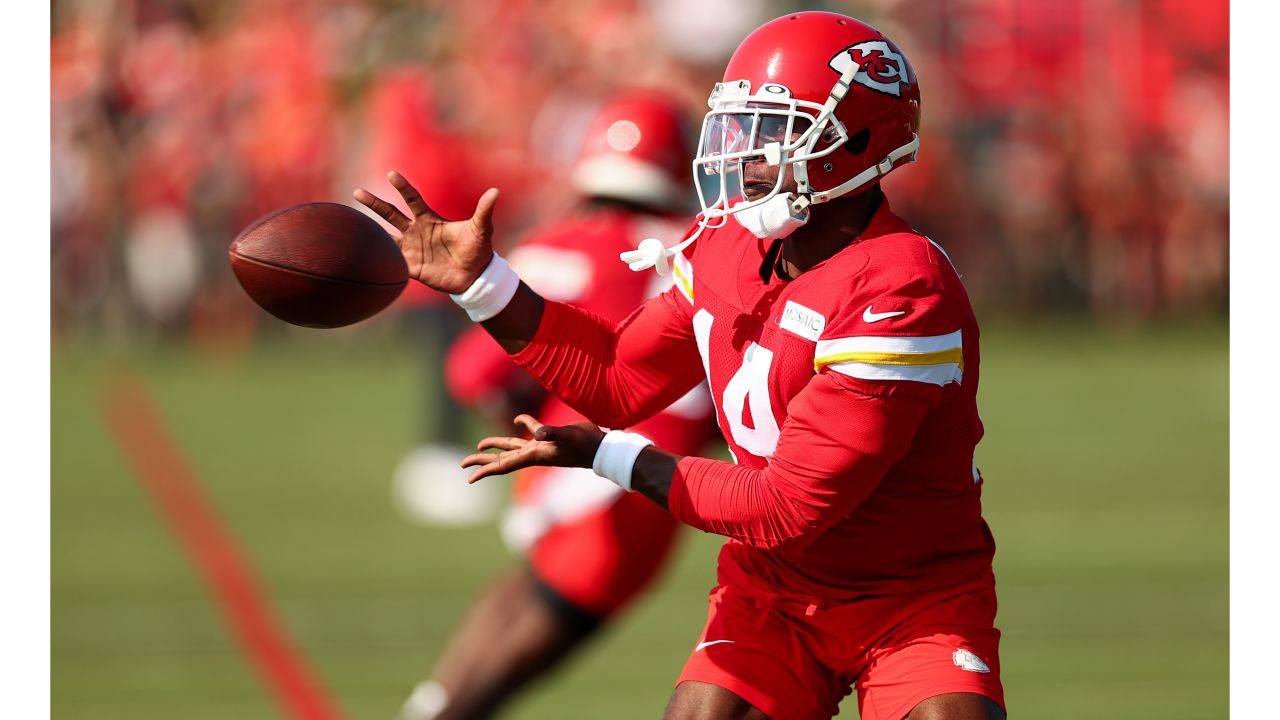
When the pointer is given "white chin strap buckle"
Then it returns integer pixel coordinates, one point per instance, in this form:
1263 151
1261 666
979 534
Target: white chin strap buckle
651 253
778 217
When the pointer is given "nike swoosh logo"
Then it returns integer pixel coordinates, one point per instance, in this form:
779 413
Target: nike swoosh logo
709 643
869 317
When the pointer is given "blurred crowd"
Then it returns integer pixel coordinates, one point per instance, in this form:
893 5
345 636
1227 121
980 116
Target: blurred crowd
1074 153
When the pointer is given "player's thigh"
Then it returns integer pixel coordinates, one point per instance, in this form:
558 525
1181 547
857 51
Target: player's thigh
941 663
703 701
762 655
957 706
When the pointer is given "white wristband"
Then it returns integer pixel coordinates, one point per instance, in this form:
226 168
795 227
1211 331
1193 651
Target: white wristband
616 456
491 292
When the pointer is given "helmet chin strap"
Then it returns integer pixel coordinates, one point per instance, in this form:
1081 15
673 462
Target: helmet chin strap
651 253
775 218
838 91
878 170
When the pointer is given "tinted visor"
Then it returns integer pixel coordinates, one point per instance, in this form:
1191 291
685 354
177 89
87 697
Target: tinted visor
739 135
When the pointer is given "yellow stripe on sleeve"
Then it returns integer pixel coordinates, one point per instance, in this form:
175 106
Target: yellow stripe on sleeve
683 279
936 359
953 355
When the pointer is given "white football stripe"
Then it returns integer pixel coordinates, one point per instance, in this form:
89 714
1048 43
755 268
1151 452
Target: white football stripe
880 343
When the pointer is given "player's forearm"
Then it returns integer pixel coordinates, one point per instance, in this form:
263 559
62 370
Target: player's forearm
507 308
616 375
573 357
576 355
518 322
653 472
711 495
834 448
738 502
753 506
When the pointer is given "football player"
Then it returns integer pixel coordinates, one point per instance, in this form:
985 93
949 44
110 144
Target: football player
842 355
576 530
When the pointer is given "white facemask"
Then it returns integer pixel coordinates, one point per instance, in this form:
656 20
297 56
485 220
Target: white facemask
772 219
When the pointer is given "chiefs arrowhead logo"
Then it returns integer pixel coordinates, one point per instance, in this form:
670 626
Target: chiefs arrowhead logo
879 67
966 660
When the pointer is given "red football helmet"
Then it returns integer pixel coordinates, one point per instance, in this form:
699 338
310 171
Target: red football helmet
637 149
825 94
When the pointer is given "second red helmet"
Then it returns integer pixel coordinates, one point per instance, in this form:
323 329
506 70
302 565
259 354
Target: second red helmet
637 149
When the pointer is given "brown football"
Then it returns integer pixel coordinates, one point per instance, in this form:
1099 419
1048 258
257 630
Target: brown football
319 265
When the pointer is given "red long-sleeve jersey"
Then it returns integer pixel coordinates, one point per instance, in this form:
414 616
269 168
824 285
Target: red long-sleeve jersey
847 397
576 261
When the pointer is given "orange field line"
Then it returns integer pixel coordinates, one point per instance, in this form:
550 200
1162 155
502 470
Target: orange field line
139 429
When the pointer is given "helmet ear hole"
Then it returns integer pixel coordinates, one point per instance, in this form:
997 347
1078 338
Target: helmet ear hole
857 144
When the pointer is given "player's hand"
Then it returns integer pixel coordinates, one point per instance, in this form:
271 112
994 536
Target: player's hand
444 255
564 446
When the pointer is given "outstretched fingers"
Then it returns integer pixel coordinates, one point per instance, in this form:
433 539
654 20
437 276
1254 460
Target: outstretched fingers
516 453
412 197
501 443
490 464
486 464
384 209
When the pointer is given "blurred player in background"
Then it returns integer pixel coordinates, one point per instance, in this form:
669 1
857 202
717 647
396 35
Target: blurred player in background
577 532
842 354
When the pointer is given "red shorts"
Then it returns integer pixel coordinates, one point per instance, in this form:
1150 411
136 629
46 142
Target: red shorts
794 659
593 544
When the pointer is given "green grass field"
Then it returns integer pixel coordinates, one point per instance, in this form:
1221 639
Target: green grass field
1107 488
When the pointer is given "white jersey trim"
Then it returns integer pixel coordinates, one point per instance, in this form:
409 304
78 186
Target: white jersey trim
935 359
